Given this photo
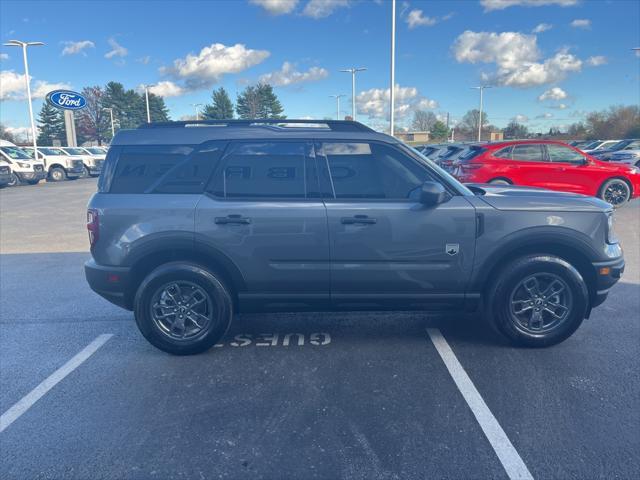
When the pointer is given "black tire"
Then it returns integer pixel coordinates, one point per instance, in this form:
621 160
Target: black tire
85 172
218 308
15 180
615 192
500 181
57 174
502 297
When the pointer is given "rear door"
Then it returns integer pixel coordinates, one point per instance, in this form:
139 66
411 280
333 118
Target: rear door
529 165
263 211
387 249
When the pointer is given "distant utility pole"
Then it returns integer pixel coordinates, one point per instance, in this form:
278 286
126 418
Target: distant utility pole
393 68
113 130
337 97
146 97
27 80
481 88
195 107
353 71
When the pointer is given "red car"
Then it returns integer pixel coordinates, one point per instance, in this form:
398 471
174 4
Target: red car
548 164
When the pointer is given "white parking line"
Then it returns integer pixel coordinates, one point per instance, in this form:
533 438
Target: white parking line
51 381
507 454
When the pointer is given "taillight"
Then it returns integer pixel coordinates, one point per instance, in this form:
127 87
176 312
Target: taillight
93 226
471 166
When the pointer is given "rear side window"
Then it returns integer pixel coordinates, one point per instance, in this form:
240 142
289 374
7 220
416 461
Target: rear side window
470 154
504 153
528 153
266 170
163 169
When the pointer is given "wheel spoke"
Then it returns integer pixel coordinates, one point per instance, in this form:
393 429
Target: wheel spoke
532 287
195 316
536 318
524 306
554 310
554 288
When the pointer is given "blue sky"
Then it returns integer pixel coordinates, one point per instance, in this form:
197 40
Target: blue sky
550 61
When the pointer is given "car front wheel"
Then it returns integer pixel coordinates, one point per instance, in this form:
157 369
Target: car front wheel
57 174
14 180
616 192
183 308
538 301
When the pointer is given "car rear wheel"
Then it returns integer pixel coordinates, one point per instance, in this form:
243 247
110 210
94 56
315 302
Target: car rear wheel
14 181
538 301
500 181
615 191
57 174
183 308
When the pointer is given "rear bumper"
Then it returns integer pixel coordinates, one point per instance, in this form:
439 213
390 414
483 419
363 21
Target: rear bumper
607 275
111 283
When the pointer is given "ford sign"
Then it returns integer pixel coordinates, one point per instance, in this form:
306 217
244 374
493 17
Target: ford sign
66 99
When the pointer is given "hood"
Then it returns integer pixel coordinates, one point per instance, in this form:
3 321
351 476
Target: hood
511 197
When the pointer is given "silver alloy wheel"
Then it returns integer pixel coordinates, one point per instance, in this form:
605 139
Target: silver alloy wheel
57 175
616 193
540 303
182 310
14 180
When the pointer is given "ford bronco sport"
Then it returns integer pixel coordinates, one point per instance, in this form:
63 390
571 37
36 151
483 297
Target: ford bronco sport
194 221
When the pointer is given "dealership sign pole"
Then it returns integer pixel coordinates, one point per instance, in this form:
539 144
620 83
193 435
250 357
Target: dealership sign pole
68 101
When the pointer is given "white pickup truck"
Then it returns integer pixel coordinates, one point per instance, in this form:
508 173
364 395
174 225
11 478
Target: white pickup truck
91 158
22 168
58 164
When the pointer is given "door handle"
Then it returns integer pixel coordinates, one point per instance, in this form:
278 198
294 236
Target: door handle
232 219
560 169
358 219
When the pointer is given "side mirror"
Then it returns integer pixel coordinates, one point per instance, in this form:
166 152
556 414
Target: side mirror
432 194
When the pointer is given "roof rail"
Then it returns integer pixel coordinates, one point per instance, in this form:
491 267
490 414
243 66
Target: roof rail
334 125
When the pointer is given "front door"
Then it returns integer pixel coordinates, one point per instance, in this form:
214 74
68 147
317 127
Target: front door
387 249
571 171
264 212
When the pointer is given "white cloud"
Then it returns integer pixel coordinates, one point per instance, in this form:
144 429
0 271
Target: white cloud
520 118
560 106
555 93
117 50
144 60
542 27
208 66
581 23
375 102
545 115
20 133
12 86
323 8
597 60
502 4
4 56
516 56
166 89
73 48
288 75
416 18
276 7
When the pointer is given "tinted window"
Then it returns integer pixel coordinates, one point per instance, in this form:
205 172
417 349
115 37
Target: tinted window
470 154
528 153
633 146
266 170
372 171
504 153
562 154
164 169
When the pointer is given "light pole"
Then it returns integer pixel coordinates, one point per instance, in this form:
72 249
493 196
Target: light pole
481 88
27 79
337 97
113 130
146 97
353 71
393 68
195 107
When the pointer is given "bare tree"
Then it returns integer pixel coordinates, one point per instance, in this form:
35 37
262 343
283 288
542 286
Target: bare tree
423 121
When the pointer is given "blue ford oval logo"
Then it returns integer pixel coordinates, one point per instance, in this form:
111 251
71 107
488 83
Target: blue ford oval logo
66 99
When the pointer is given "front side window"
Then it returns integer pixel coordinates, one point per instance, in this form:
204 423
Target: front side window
52 151
372 171
562 154
75 151
528 153
266 170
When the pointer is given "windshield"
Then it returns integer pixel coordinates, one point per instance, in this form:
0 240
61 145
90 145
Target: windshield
592 145
95 151
620 144
443 173
15 153
51 151
75 151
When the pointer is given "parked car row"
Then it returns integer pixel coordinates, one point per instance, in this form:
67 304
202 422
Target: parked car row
545 164
18 165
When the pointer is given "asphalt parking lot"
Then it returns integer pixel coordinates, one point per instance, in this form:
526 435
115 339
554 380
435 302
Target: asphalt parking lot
364 396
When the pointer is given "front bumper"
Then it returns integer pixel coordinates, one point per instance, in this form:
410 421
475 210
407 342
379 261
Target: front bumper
111 283
30 176
94 170
607 275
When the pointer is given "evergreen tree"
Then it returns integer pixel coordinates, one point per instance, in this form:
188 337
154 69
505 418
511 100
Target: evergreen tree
259 101
221 109
439 131
158 111
50 125
129 109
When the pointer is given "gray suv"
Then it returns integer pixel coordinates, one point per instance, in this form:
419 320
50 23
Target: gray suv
194 221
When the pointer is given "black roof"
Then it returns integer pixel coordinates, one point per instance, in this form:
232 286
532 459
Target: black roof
196 132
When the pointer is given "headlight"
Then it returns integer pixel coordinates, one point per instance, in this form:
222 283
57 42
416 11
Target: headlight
24 165
611 235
